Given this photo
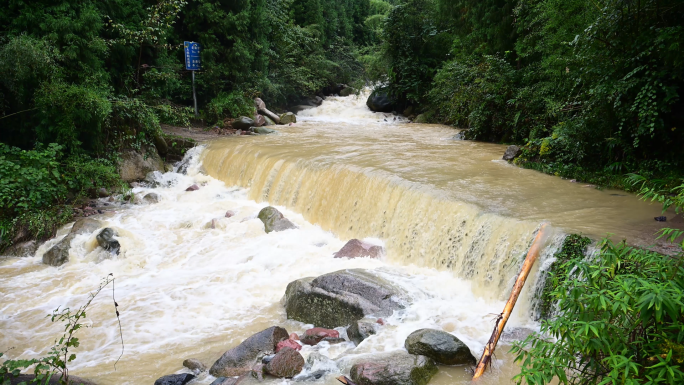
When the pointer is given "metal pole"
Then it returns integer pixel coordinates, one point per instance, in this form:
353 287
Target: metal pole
194 95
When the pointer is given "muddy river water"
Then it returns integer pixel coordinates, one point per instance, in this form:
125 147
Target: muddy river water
456 222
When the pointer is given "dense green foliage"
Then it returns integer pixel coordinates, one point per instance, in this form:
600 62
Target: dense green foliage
592 89
620 321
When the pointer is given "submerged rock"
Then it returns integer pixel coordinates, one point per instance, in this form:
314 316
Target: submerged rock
106 240
286 363
239 360
195 365
243 123
274 220
340 298
175 379
152 198
358 249
59 253
512 152
360 330
194 187
22 249
264 130
380 101
288 118
393 369
225 381
441 346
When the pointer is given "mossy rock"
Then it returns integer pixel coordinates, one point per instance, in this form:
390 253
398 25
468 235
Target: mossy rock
398 368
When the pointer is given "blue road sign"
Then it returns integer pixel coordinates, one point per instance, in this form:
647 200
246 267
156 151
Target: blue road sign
192 56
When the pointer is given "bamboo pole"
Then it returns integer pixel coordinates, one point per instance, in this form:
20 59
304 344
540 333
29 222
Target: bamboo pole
532 255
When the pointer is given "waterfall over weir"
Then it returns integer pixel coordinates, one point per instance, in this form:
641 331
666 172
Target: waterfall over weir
456 222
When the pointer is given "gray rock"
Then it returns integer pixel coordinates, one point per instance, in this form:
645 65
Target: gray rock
259 120
102 192
175 379
421 118
274 220
22 249
243 123
360 330
317 365
346 91
393 369
287 363
225 381
152 198
288 118
134 166
271 115
160 144
512 152
359 249
439 345
340 298
269 121
259 104
195 365
59 253
381 101
106 240
459 136
239 360
264 130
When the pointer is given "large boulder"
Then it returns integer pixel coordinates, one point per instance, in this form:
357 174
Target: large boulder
421 118
243 123
259 104
393 369
439 345
264 130
358 249
512 152
134 166
59 253
340 298
259 120
288 118
286 363
175 379
22 249
239 360
274 220
106 240
381 101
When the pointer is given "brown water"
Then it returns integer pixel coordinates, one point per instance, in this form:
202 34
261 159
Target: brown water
455 220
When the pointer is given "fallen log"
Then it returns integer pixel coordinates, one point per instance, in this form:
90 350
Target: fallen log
532 255
345 380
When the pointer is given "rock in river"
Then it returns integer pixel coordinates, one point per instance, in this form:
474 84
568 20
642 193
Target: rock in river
288 118
195 365
175 379
106 240
358 249
340 298
360 330
243 123
393 369
286 363
439 345
274 220
59 253
239 360
512 152
381 101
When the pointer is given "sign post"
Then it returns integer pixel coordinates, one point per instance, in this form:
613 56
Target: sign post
192 63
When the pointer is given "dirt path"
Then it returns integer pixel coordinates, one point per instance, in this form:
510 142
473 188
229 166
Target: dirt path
195 133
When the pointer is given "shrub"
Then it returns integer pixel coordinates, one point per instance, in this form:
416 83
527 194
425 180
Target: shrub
233 105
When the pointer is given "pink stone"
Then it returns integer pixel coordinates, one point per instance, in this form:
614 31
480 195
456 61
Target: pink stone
288 343
230 213
358 249
194 187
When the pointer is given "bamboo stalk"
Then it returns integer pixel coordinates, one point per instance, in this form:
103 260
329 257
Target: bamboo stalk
532 255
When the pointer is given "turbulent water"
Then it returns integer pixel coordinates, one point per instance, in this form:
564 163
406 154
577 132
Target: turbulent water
455 220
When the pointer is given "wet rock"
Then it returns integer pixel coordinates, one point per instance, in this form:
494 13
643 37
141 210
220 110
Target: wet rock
274 220
358 249
230 213
439 345
243 123
59 253
259 104
152 198
381 101
259 120
269 121
661 219
249 378
360 330
194 187
288 118
106 240
225 381
264 130
22 249
346 91
195 365
459 136
288 343
421 118
239 360
393 369
134 166
340 298
316 335
175 379
286 363
512 152
317 365
160 144
102 192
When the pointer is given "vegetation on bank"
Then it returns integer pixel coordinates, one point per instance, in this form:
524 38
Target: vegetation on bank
590 89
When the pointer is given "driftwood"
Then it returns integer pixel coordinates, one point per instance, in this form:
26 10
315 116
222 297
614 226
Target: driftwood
501 320
345 380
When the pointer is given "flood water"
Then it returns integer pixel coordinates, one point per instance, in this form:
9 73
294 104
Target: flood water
456 222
